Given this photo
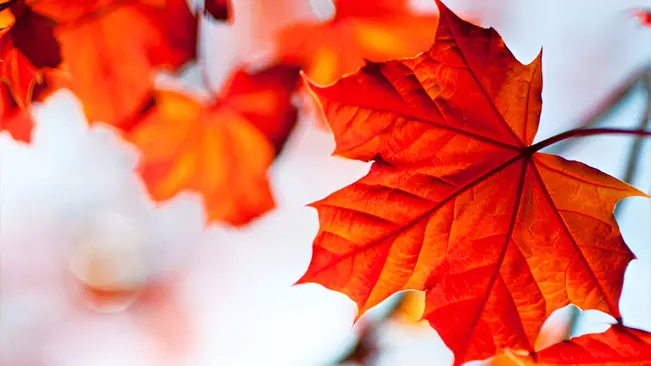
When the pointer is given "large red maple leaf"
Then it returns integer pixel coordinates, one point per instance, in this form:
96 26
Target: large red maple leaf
459 203
223 149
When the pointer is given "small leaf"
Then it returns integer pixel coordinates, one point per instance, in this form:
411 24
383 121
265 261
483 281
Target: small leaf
373 29
219 150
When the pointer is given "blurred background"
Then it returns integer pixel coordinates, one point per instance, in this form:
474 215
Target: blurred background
221 296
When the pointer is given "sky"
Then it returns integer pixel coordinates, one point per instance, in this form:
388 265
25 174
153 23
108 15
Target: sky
223 296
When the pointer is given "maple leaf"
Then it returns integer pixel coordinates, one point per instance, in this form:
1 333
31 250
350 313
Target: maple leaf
221 150
112 50
264 99
361 29
616 346
624 345
459 203
218 9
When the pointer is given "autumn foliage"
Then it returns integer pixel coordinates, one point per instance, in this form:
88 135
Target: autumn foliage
617 345
459 201
221 149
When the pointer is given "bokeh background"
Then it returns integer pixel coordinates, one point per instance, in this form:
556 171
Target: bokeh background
220 296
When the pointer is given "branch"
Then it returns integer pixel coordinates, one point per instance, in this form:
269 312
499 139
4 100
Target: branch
365 351
585 132
636 148
607 106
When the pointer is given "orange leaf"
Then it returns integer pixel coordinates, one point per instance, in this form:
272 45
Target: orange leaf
217 150
458 202
72 10
16 121
69 10
361 29
619 345
113 55
264 99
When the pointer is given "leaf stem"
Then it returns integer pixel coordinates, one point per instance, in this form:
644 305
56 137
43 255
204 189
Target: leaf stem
581 132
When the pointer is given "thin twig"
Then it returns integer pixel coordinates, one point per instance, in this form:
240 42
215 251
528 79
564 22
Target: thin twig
364 351
636 148
606 107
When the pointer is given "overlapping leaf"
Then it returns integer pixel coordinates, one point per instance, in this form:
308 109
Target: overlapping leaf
459 203
222 150
361 29
619 345
28 52
111 49
27 45
113 53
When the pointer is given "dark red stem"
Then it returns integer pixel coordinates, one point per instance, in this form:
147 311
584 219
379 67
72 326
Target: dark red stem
584 132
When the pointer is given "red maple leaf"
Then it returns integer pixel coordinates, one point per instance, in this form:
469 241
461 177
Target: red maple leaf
623 346
459 203
223 149
619 345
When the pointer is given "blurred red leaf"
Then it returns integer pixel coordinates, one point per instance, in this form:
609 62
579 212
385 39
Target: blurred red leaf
16 121
644 16
73 10
219 150
264 99
218 9
459 203
112 55
27 49
361 29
